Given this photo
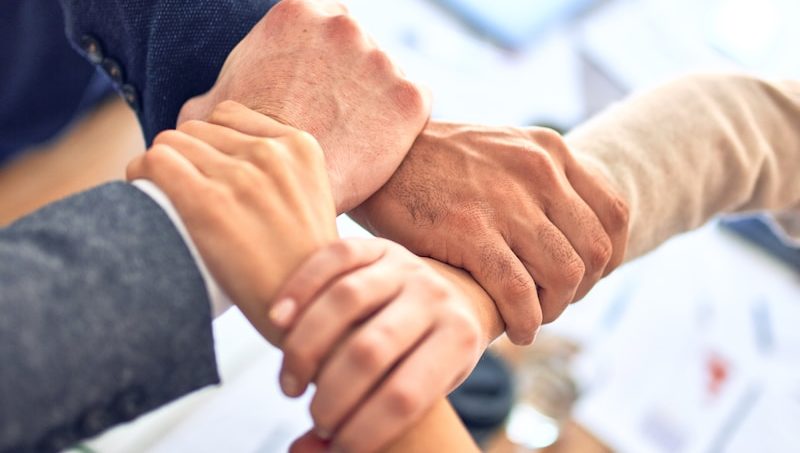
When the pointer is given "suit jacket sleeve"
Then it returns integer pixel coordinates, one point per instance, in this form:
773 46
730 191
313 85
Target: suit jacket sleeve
103 316
160 53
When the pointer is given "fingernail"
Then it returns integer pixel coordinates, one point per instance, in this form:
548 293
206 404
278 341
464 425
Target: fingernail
323 434
289 384
282 313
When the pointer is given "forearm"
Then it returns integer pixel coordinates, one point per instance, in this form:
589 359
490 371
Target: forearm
439 430
694 148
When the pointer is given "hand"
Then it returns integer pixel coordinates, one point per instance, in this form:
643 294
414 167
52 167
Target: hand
511 206
308 64
253 194
381 333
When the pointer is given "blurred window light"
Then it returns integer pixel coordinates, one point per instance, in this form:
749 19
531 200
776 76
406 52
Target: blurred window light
514 23
750 31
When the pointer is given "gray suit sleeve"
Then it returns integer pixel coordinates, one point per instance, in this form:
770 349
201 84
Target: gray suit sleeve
103 316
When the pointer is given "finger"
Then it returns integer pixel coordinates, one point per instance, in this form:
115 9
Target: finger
320 269
579 224
366 357
501 273
236 116
172 173
264 155
558 268
202 155
224 139
309 443
348 301
609 209
402 399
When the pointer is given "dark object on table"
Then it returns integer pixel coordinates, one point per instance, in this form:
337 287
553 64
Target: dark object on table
484 400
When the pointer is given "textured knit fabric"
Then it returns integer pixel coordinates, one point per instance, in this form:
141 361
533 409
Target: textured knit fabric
104 317
169 50
104 313
696 147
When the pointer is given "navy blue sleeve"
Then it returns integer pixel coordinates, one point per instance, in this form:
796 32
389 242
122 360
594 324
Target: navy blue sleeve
44 84
160 53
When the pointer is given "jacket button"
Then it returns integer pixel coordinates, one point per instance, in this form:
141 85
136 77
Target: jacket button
114 70
131 96
91 46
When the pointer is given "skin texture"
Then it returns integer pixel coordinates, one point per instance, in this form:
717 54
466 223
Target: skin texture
310 65
510 205
243 165
368 321
267 194
440 430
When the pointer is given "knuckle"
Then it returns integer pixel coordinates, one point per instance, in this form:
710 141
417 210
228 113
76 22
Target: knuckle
343 27
347 293
245 180
574 270
223 110
474 219
619 215
436 290
214 196
543 166
468 331
288 6
521 287
600 253
307 146
549 139
296 356
365 352
191 126
157 154
379 61
166 136
258 148
410 99
402 400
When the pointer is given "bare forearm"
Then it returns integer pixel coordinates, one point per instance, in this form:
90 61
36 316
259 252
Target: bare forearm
694 148
439 430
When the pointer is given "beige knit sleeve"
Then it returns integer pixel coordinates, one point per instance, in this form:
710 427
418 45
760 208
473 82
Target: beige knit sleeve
696 147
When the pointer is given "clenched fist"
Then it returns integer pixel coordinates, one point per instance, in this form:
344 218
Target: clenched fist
309 64
513 207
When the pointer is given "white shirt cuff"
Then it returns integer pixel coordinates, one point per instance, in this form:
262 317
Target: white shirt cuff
219 300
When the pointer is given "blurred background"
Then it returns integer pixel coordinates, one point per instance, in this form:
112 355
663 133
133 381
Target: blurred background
693 348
